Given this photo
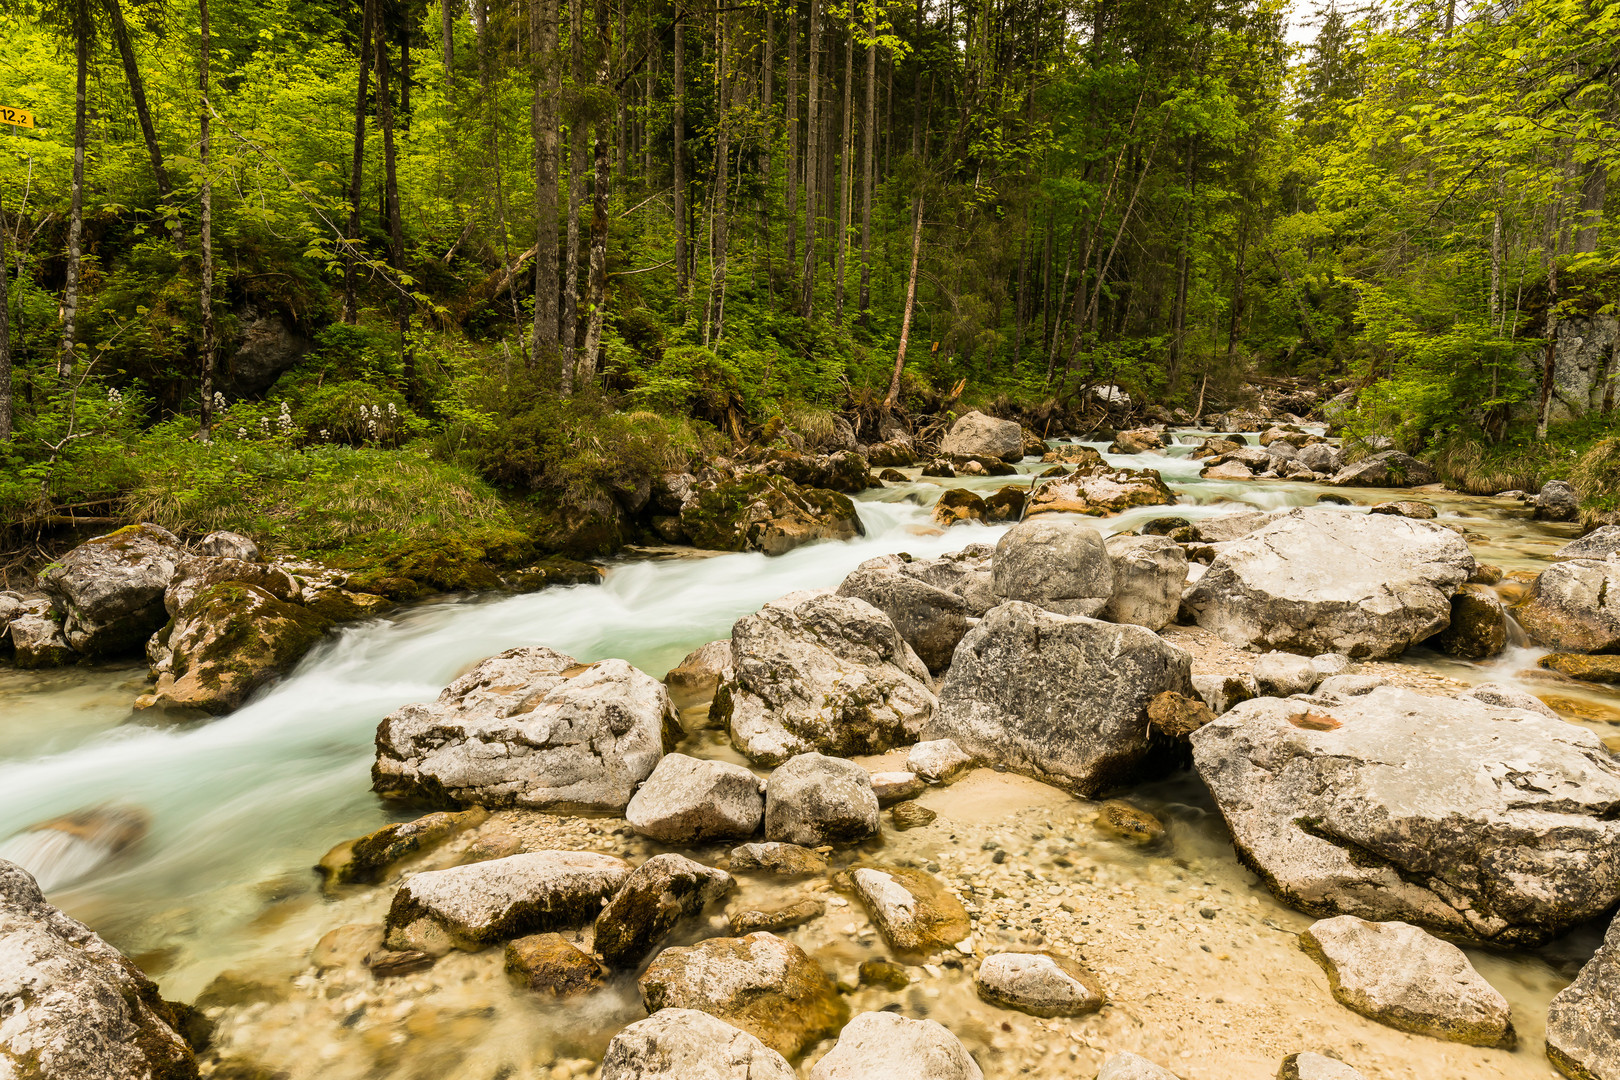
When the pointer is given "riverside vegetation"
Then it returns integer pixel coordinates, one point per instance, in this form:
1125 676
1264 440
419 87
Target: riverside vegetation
1122 508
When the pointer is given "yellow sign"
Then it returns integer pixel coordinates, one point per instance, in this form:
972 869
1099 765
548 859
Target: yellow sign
19 117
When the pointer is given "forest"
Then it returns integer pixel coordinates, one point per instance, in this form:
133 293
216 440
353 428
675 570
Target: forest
350 274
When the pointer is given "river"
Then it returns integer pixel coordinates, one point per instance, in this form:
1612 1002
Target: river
241 807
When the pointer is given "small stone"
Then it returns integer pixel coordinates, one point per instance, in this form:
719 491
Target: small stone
684 1044
346 946
883 1046
1132 1067
1281 674
784 860
912 908
751 920
911 815
813 799
893 787
1309 1066
938 761
392 963
1124 820
884 973
1415 510
1041 984
1177 715
551 963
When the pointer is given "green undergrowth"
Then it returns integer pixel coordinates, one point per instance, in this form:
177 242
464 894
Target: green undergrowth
1584 452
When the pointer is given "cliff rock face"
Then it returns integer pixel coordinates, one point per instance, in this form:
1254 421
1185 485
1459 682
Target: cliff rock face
1584 356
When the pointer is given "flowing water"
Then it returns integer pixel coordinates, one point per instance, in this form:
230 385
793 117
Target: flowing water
239 808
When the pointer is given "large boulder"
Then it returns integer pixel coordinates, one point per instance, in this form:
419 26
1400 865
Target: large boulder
533 728
1601 543
1399 975
227 641
1574 606
1583 1021
1099 492
912 908
1061 698
828 674
1149 575
482 903
965 574
653 900
691 800
1557 501
1322 458
1319 581
1220 528
110 589
978 435
685 1044
197 574
1059 564
72 1007
38 642
762 984
930 619
1390 468
765 513
1470 819
813 800
885 1046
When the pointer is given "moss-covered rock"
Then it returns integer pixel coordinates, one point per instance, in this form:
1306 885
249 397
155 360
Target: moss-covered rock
766 513
110 589
958 505
1478 624
368 859
556 570
1100 493
1600 669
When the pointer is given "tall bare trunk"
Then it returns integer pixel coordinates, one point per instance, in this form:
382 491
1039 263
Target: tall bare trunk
682 281
868 134
351 310
396 231
792 127
911 302
846 171
599 203
547 77
137 94
5 337
447 46
569 331
767 77
721 231
812 139
70 291
205 222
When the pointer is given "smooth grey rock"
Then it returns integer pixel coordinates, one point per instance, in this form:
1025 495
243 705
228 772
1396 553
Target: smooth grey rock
39 642
1349 686
1397 974
1511 697
1330 664
978 435
1127 1066
532 728
938 761
72 1007
1316 581
691 800
886 1046
893 787
1322 458
1057 563
229 545
1557 501
829 674
1280 674
1469 819
1390 468
110 589
1063 699
1220 528
1149 572
685 1044
1041 984
1221 692
965 574
931 619
1574 606
767 986
653 900
1583 1021
1309 1066
469 907
812 800
1601 543
695 678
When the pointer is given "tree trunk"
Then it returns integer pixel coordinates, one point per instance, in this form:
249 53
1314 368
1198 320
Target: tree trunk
868 163
599 204
719 225
396 231
205 222
767 75
678 155
812 138
792 127
846 171
447 46
569 331
547 78
70 291
5 337
137 93
893 395
351 311
405 76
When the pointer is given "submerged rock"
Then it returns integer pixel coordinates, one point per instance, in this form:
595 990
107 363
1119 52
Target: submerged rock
1600 669
1319 581
1583 1021
72 1007
1399 975
781 917
469 907
368 859
110 589
552 964
828 674
883 1045
813 800
653 900
1309 1066
1041 984
912 908
1574 606
1132 1067
685 1044
529 727
1063 699
761 983
1129 822
930 619
785 860
1469 819
690 800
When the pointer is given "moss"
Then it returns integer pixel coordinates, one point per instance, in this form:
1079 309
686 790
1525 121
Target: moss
404 568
